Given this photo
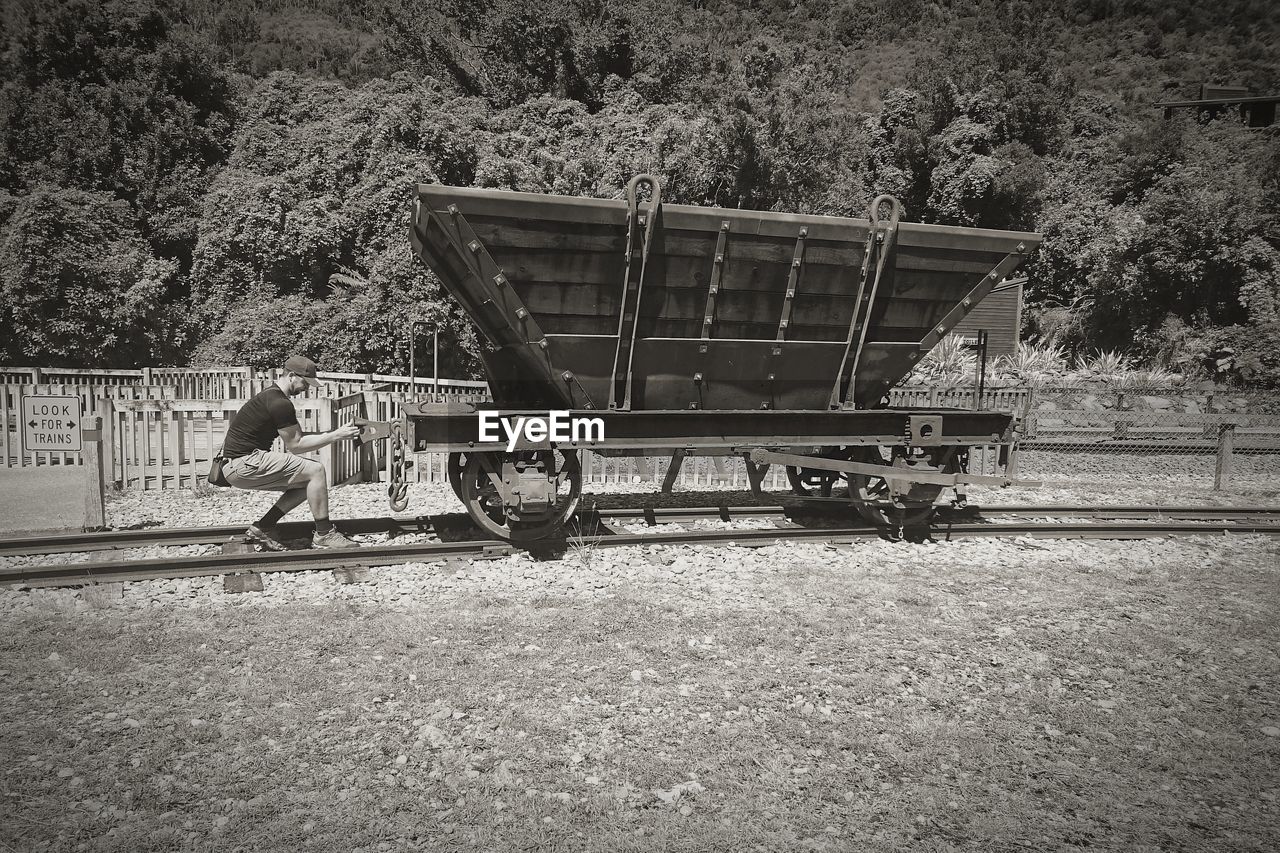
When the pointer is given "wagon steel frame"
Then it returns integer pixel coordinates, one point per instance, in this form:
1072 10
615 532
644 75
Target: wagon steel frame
453 428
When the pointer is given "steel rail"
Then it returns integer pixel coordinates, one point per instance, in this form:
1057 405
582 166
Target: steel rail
103 540
78 574
67 542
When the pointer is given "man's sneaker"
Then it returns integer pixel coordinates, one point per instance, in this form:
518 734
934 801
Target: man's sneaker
266 538
332 539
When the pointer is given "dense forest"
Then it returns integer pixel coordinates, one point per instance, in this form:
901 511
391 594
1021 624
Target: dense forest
190 181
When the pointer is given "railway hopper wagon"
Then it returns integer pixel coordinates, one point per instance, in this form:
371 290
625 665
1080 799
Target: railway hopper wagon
666 329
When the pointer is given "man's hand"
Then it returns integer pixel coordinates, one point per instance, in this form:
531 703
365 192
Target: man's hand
349 431
296 442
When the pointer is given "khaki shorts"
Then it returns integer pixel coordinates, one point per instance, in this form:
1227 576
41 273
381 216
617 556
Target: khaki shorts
266 471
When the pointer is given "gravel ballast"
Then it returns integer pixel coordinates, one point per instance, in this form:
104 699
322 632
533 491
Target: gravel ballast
978 694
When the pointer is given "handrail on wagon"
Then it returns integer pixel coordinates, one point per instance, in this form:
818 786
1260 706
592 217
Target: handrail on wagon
881 241
627 337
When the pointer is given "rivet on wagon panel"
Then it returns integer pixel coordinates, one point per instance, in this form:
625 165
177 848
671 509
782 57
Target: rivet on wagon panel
798 325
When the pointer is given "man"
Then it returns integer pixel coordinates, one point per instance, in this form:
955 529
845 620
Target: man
251 464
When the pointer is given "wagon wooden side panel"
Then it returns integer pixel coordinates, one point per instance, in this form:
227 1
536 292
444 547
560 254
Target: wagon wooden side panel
689 307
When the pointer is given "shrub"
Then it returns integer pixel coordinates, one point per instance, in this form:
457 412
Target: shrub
1257 352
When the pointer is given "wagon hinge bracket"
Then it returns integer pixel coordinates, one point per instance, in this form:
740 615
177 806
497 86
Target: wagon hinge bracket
633 291
717 272
1007 265
793 278
500 302
570 378
881 237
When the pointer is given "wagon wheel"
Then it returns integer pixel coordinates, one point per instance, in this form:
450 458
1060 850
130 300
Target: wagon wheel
804 480
485 505
457 462
870 493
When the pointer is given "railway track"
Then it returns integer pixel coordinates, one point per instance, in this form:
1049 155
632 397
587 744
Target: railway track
1098 523
106 540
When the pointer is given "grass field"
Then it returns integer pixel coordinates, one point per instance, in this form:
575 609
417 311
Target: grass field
967 696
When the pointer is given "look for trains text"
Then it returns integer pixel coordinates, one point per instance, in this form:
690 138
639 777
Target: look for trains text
53 418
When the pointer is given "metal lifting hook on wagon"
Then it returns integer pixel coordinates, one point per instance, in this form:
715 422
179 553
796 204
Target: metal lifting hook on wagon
688 330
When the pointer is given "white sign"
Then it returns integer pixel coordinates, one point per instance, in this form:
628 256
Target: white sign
51 423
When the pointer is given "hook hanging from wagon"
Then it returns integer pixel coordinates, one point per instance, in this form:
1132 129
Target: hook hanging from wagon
895 210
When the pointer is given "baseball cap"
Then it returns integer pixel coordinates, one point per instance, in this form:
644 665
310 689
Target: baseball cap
304 367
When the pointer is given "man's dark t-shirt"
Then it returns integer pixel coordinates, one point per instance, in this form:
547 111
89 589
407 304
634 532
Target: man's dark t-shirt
256 425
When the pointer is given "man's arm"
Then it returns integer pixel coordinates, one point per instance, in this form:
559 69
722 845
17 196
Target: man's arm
296 441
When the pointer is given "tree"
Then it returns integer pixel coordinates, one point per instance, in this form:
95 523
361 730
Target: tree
509 51
1203 247
1176 220
320 183
78 283
106 97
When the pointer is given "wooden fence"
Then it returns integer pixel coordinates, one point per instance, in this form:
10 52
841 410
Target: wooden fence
230 383
165 423
1001 399
94 399
162 426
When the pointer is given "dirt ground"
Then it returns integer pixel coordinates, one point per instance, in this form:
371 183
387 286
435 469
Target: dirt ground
1001 695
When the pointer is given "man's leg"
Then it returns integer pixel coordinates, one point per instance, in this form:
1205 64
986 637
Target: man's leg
287 501
317 495
326 535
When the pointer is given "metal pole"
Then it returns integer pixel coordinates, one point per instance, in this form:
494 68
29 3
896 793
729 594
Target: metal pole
435 364
413 366
413 358
981 379
1226 446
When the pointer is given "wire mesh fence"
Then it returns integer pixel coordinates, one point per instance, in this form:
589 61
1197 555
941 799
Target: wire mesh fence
1180 440
1177 441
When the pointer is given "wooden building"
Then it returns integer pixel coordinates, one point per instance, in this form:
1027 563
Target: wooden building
1253 110
1000 315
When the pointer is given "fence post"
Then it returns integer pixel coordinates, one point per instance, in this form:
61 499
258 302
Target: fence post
5 442
104 410
329 454
95 505
1222 471
368 465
